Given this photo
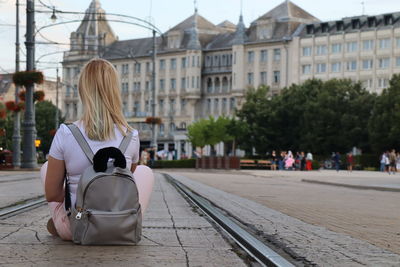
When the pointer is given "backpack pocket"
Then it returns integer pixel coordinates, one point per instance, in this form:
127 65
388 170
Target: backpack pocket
112 228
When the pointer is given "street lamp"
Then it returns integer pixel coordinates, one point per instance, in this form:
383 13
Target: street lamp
53 16
17 115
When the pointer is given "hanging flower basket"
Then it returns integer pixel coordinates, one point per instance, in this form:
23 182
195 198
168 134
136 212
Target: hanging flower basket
37 95
27 78
3 113
153 120
12 106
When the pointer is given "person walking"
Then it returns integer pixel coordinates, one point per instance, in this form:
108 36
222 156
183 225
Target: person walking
273 160
309 159
392 161
102 125
383 162
350 161
336 159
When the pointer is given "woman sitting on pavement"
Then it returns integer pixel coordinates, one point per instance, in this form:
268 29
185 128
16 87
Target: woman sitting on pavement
103 125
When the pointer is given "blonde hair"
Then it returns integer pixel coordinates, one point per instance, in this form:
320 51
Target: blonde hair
101 98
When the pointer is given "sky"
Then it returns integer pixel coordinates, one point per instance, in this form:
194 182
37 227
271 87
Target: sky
163 13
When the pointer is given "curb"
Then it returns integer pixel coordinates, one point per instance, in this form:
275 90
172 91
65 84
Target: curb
361 187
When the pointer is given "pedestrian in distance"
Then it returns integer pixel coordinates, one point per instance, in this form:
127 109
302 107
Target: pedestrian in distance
102 125
273 160
383 162
309 159
350 161
392 162
336 159
387 162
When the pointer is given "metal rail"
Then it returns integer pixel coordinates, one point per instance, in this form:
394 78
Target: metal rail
16 209
254 247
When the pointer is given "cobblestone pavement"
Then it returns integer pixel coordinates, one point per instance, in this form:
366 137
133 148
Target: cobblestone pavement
173 235
364 224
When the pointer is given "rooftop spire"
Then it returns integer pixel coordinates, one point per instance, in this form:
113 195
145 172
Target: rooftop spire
240 34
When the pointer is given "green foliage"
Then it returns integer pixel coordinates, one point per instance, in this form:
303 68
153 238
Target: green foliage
318 116
183 163
316 165
384 123
197 133
45 123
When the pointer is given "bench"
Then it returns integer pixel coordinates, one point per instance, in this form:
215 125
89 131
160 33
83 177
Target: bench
264 164
247 163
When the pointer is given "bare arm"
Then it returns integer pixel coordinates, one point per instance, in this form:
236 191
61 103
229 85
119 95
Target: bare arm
54 186
133 167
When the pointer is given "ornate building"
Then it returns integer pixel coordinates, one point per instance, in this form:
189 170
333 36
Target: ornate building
204 69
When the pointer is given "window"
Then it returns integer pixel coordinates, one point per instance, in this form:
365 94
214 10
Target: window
137 67
384 43
232 103
264 55
368 45
336 48
68 92
162 129
125 68
193 61
161 106
307 50
321 50
250 78
172 127
321 67
383 83
197 82
162 84
277 54
208 105
250 57
75 90
147 106
306 69
183 63
398 42
352 65
277 76
193 82
173 84
384 63
367 64
367 83
172 106
147 86
336 67
148 67
263 77
352 46
136 108
397 61
76 71
162 64
183 105
173 63
183 83
216 106
224 103
125 88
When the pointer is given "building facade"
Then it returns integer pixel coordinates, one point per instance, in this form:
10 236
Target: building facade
204 69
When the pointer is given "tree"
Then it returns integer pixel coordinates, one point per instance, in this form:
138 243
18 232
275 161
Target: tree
45 123
196 134
384 123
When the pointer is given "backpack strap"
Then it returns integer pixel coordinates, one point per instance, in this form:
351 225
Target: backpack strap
125 142
81 142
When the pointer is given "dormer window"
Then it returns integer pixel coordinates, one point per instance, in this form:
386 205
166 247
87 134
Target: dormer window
310 29
388 20
339 25
324 27
174 41
355 23
264 32
371 22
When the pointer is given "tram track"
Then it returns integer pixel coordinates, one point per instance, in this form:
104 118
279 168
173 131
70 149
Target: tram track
21 206
255 248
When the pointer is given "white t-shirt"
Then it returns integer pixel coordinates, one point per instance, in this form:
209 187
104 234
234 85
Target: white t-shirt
65 147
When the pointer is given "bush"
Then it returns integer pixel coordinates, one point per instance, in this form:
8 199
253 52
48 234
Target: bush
316 165
182 163
367 161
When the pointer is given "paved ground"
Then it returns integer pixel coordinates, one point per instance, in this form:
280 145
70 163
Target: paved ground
18 185
173 235
368 215
323 205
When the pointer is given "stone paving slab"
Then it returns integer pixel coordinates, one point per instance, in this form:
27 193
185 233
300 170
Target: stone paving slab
315 244
173 235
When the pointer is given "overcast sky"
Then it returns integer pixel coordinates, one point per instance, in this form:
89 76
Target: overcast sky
164 14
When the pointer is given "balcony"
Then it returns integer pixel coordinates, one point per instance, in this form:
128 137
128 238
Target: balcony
217 69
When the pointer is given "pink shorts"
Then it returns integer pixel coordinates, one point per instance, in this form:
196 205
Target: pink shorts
144 179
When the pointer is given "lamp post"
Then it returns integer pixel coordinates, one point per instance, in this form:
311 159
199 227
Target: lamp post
17 115
153 91
57 83
29 151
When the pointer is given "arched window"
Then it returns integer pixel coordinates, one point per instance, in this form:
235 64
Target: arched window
224 84
209 85
183 125
172 127
217 85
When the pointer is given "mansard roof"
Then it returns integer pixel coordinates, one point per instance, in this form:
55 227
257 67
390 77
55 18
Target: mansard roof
130 48
351 24
203 25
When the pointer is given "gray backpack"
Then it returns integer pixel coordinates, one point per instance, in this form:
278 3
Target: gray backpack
107 209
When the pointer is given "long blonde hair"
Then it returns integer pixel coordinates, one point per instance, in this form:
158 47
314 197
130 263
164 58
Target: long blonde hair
101 98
